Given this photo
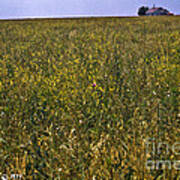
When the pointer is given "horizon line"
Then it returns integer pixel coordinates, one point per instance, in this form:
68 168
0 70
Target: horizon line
69 17
62 17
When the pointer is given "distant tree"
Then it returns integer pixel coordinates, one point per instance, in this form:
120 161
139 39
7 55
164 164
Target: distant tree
142 11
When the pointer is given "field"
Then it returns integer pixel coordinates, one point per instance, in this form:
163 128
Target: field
90 98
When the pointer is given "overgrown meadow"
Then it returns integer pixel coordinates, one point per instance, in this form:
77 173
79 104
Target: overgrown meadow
80 97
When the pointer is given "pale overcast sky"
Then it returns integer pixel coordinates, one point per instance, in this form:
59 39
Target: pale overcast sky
63 8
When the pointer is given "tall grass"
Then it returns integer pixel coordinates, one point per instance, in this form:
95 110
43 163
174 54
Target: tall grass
79 98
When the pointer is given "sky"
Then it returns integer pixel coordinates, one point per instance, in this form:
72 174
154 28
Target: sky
67 8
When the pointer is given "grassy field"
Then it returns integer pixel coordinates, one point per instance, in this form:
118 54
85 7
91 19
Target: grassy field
80 97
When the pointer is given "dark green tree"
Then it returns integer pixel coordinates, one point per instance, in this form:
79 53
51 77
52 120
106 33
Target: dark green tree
142 11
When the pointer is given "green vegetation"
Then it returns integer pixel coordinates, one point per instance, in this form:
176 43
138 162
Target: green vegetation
142 11
79 97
